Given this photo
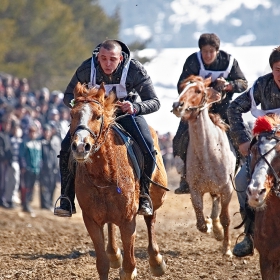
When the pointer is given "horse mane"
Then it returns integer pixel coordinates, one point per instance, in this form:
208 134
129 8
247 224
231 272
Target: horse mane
217 120
266 123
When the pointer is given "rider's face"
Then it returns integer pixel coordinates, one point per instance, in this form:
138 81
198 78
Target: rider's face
109 60
208 54
276 73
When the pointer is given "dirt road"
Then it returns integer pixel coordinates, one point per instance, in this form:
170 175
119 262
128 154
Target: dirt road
52 248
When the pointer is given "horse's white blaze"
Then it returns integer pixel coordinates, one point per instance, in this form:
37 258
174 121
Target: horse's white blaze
177 108
189 85
81 133
256 185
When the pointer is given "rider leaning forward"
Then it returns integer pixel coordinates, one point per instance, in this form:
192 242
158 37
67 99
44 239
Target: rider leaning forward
111 64
227 78
266 93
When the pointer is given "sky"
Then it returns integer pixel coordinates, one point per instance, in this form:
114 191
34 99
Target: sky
166 68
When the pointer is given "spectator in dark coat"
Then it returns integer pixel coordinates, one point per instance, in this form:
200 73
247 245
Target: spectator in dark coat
49 170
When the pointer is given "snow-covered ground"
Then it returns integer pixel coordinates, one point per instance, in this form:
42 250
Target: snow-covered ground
166 68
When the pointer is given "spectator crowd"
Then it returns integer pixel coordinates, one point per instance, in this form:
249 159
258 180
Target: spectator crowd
32 126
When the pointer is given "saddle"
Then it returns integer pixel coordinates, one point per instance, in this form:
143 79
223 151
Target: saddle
133 149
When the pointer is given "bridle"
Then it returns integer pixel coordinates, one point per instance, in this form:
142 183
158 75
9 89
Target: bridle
203 103
269 135
95 136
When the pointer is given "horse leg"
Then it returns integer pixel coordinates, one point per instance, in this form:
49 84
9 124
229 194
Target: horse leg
128 233
217 227
97 237
197 202
225 221
157 264
269 270
113 251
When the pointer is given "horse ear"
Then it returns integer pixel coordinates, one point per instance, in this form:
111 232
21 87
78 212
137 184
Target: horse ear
207 81
78 90
111 98
101 93
213 95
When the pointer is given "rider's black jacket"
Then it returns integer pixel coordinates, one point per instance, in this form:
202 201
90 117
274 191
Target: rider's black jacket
236 78
138 82
266 94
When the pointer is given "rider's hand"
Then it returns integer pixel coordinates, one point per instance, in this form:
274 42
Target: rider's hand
224 83
244 148
126 107
221 85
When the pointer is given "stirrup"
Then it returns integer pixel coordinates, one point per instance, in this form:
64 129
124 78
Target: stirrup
59 211
245 247
150 204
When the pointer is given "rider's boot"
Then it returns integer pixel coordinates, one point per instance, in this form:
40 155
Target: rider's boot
180 144
67 198
145 202
184 186
246 246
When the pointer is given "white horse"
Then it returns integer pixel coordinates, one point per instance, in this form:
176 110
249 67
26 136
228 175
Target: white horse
210 159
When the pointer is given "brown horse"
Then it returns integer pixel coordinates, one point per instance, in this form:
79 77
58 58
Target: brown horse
210 158
264 194
107 186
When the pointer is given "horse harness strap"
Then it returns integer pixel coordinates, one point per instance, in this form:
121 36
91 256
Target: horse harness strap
276 186
203 104
86 99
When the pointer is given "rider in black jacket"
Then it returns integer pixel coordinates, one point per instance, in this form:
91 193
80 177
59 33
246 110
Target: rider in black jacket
227 77
111 63
265 93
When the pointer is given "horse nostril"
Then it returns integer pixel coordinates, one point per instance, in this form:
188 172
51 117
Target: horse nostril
175 105
87 147
262 191
74 147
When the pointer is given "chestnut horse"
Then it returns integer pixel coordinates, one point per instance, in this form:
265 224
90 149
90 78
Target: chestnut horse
263 194
210 158
107 187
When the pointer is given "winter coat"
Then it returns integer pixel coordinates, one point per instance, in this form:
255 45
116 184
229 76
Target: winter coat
266 94
138 82
236 78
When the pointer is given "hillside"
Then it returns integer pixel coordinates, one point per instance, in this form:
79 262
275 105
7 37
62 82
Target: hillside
178 23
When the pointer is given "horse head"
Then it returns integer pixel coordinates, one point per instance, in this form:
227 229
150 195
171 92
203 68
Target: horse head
91 115
195 96
265 161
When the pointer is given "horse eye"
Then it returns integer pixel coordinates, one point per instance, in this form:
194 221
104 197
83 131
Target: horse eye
198 91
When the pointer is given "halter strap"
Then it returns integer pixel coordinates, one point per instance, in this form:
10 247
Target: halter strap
276 186
86 99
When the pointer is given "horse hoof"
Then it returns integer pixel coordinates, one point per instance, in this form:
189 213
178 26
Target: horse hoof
209 225
115 260
128 276
228 253
159 269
